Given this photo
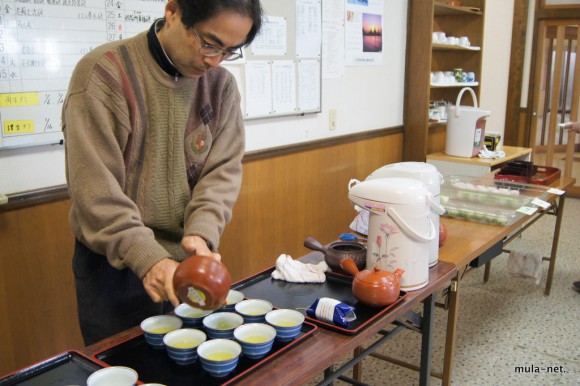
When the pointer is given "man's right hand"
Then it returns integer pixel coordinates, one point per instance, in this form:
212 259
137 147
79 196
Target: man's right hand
158 281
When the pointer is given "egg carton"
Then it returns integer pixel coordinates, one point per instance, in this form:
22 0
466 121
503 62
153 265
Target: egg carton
489 192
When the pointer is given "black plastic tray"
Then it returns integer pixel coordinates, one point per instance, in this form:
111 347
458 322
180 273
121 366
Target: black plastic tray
154 365
68 368
300 296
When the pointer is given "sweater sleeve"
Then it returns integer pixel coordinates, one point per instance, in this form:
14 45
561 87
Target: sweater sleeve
102 216
217 189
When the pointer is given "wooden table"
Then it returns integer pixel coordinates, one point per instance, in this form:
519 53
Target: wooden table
318 353
467 240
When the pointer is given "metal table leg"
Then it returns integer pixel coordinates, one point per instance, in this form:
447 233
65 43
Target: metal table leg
427 340
451 331
559 214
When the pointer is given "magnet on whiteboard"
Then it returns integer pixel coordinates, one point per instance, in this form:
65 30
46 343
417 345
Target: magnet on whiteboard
3 199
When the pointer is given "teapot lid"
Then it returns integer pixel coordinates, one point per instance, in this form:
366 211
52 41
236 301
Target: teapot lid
376 276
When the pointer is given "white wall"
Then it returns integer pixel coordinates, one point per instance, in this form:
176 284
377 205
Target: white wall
496 61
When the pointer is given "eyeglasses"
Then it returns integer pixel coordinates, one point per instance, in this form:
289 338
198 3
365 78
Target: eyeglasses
210 51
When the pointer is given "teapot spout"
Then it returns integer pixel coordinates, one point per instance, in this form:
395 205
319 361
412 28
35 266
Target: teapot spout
399 272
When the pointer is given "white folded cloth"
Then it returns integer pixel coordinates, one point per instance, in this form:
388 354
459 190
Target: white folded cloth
488 154
525 265
295 271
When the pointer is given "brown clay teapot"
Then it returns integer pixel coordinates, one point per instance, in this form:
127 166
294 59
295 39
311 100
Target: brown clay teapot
376 288
336 251
202 282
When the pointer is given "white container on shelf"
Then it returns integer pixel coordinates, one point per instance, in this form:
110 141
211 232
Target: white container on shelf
465 135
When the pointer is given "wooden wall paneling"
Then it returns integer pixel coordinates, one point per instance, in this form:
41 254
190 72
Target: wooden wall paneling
284 199
8 231
38 297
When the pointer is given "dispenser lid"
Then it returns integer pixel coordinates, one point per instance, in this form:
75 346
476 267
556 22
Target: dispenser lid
393 190
422 171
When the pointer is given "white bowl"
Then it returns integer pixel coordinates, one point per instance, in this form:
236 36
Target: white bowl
182 344
113 376
287 323
222 324
191 316
234 297
155 327
256 339
254 310
219 357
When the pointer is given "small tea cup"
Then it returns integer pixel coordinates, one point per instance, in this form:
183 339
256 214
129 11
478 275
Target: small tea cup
286 322
155 328
233 298
182 344
256 339
254 310
219 357
113 376
221 325
191 316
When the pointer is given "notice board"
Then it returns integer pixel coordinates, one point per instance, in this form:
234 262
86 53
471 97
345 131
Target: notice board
42 40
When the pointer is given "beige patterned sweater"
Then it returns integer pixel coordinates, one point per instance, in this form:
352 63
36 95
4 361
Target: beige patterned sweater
149 157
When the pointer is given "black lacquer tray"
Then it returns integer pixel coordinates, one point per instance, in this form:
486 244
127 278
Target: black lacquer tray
154 365
68 368
300 296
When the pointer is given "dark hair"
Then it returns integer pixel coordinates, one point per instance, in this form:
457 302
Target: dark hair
195 11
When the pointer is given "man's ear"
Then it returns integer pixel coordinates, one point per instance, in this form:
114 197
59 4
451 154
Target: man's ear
171 10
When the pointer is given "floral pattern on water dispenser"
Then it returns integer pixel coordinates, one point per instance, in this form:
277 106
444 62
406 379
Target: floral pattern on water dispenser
388 230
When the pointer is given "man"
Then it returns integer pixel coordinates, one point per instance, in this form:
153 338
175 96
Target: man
154 143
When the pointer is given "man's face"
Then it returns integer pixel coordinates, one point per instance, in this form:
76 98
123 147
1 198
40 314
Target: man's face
226 31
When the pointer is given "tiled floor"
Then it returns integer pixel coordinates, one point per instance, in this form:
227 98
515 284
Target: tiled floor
506 324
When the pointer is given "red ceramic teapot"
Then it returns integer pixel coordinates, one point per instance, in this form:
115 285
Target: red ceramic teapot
376 288
202 282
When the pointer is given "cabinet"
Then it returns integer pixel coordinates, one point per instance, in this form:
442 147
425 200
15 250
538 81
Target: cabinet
424 57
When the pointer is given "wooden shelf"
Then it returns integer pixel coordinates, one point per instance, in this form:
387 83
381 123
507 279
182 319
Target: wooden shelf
462 84
425 56
437 124
446 9
449 47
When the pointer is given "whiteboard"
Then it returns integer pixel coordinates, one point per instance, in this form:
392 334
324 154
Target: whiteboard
40 43
42 40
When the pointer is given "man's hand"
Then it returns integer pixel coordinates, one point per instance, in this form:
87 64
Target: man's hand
158 281
195 245
572 126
